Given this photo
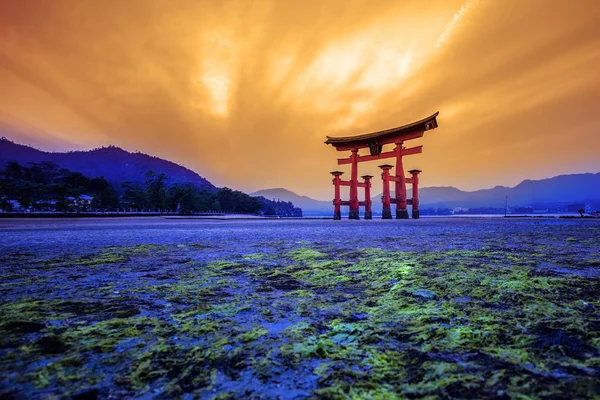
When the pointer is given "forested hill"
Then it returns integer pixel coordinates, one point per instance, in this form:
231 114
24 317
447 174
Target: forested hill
115 164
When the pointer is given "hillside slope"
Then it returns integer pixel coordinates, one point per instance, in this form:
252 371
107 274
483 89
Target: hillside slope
114 163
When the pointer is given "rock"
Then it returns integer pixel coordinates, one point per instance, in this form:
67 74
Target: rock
121 381
51 344
424 293
358 317
24 326
462 300
86 394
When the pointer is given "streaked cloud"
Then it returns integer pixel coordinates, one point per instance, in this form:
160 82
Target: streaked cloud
244 92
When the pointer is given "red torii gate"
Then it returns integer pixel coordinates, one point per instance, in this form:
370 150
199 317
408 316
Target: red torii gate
375 142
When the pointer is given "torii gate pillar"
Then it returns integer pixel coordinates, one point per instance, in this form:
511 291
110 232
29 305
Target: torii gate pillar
386 211
337 201
415 193
354 213
401 211
368 213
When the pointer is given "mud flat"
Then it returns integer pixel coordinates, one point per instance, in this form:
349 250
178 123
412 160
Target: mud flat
437 308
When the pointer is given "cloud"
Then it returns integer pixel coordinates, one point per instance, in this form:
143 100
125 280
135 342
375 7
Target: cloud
245 92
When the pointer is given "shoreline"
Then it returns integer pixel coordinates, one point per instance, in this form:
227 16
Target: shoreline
229 217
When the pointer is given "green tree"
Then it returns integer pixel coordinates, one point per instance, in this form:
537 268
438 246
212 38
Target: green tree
134 196
156 190
184 198
105 196
4 198
13 170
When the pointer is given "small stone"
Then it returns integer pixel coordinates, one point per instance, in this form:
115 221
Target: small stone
462 300
86 394
358 317
51 344
24 326
426 294
122 381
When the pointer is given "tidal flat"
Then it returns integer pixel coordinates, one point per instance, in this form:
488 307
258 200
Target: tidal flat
431 308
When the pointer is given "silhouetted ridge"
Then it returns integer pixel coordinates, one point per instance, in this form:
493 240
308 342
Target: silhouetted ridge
112 162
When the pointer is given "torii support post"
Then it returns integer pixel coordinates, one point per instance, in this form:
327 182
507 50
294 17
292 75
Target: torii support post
337 200
354 214
415 193
368 213
401 211
386 211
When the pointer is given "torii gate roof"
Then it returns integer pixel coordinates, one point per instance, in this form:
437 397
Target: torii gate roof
405 132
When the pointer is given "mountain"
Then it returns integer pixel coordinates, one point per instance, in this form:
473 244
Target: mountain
559 190
310 207
114 163
562 189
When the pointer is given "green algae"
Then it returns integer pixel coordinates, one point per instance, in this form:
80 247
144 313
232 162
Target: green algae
323 273
138 249
305 254
255 256
369 323
104 336
255 333
164 360
66 372
106 257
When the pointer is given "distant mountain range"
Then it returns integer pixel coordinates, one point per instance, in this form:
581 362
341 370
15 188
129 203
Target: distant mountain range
563 189
114 163
314 207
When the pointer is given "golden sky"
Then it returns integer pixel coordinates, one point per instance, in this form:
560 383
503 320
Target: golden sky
244 92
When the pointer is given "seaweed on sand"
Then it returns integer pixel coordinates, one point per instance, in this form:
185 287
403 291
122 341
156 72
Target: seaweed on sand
305 321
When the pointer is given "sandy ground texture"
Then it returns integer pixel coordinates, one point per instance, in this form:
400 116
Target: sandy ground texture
431 308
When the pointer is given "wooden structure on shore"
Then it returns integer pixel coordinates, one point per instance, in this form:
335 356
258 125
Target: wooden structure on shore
375 142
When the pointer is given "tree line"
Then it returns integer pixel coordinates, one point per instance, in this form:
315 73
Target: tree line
45 186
